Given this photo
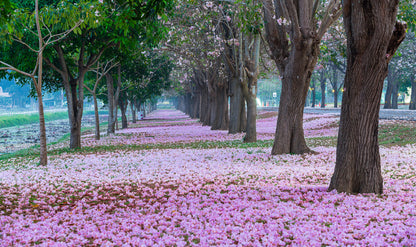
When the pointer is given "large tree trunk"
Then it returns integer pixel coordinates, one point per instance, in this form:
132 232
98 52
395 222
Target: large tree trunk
289 137
195 105
412 105
219 112
75 101
251 132
205 107
373 39
251 61
237 107
97 117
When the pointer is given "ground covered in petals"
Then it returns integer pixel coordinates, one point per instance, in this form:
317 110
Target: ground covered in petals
158 183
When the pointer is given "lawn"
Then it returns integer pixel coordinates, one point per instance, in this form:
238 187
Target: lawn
168 181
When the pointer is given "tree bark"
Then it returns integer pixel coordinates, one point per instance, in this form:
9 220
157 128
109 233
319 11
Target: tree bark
313 94
237 107
251 61
75 101
373 37
335 85
205 107
323 88
387 97
112 104
395 95
133 111
123 108
42 130
412 105
251 132
289 137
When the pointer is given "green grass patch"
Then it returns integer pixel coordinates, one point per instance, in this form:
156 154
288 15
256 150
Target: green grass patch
22 119
325 141
397 134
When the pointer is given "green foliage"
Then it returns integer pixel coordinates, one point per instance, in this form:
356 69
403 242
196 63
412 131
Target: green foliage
146 75
407 13
250 16
5 9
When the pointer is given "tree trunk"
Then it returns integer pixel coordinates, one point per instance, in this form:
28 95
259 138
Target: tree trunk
237 107
251 61
75 108
97 117
335 85
395 95
323 88
412 105
43 161
123 108
42 130
205 107
111 105
389 92
195 105
373 39
133 111
251 132
289 137
313 94
336 98
219 112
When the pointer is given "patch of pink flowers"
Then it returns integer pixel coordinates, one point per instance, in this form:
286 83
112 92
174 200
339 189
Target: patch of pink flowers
188 130
202 197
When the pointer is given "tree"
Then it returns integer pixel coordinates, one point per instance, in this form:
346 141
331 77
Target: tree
106 25
201 62
22 20
294 30
100 72
373 37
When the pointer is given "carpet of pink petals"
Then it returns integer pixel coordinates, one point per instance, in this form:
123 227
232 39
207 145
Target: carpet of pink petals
163 130
202 197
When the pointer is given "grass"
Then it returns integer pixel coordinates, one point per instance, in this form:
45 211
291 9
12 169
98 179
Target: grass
397 134
22 119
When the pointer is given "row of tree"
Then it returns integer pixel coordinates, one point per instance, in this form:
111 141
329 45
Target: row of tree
218 45
220 51
55 44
